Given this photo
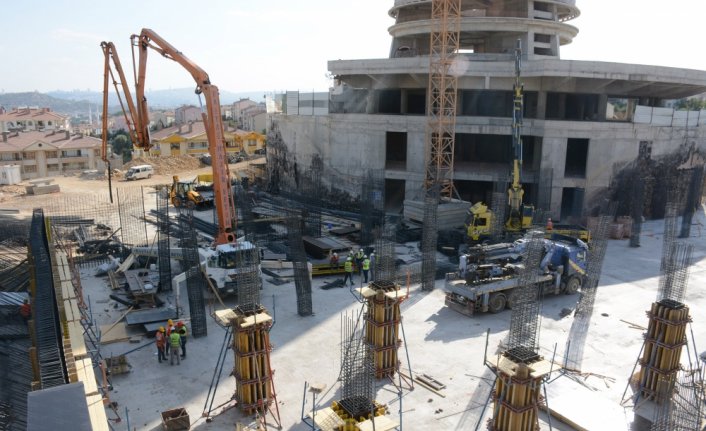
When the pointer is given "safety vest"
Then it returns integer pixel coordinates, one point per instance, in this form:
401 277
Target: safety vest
348 266
159 336
174 340
366 264
359 255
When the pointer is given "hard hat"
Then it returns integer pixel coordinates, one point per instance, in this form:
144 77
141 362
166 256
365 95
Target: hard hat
180 323
366 256
161 329
349 258
169 322
360 249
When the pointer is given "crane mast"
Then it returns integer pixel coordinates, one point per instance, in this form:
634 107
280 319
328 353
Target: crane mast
441 98
212 120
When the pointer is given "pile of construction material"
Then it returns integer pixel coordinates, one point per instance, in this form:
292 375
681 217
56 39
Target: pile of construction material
165 165
42 186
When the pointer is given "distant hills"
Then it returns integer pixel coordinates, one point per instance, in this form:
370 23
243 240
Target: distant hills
77 102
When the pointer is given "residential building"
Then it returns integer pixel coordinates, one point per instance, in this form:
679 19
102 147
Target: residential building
187 113
191 139
238 108
254 118
32 118
582 119
47 154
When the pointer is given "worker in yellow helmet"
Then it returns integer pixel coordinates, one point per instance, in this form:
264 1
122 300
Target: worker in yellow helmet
348 268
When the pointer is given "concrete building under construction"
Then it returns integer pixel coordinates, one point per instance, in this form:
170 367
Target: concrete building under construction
583 120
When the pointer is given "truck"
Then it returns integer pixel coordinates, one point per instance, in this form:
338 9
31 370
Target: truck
488 284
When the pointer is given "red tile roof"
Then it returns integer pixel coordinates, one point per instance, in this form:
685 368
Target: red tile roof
31 114
18 141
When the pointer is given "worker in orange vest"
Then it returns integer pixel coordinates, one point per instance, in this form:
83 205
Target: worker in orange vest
550 224
160 341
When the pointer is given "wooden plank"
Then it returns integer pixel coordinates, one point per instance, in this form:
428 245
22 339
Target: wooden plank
78 343
224 317
116 322
117 334
258 318
84 368
378 423
326 419
96 412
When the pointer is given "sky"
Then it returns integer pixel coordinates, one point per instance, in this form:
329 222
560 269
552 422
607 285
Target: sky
275 45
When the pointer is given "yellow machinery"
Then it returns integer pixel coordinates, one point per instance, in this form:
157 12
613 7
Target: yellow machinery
184 193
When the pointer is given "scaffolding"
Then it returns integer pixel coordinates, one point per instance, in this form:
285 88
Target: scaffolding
194 279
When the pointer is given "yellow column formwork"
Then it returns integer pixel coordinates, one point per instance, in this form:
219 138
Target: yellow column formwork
252 372
665 337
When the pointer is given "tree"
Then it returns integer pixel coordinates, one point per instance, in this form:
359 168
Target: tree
690 104
121 144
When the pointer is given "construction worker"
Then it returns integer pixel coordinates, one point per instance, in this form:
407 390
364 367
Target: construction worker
366 267
160 341
550 224
359 260
348 267
334 261
170 326
174 344
181 330
26 310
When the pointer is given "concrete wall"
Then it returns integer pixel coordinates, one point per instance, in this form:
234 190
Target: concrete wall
351 144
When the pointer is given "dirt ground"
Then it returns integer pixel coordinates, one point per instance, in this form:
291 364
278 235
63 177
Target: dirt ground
14 197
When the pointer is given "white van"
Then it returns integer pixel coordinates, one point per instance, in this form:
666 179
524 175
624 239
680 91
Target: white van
138 172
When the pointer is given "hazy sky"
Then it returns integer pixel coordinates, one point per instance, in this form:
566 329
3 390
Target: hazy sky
285 44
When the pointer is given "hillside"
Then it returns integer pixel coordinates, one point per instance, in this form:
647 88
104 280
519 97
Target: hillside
77 101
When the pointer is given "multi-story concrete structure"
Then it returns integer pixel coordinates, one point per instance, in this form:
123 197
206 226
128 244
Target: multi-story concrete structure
47 154
186 113
32 118
580 117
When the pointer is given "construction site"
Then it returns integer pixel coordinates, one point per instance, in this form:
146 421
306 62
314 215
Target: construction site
454 264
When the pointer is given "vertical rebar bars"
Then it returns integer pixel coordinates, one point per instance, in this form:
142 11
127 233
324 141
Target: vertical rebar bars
194 278
693 199
383 266
131 209
526 298
247 276
429 238
163 239
357 369
297 254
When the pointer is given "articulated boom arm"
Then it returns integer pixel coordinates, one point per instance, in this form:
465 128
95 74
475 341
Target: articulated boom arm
131 117
515 193
225 206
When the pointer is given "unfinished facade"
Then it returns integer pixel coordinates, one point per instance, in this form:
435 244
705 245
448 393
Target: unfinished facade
580 117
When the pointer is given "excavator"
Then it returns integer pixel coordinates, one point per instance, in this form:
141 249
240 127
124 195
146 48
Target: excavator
218 260
479 218
186 193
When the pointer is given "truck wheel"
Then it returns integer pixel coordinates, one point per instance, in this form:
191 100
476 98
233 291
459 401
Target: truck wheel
512 299
572 286
497 302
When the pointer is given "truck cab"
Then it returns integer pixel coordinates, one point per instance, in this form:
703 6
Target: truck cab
224 263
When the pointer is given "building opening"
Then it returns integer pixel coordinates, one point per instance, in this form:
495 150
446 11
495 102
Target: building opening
569 106
416 102
396 150
390 101
571 204
474 191
394 195
576 156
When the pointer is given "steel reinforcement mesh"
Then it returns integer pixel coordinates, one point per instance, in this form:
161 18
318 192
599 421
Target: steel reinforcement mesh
430 235
372 205
684 410
357 369
526 297
676 259
297 254
383 261
163 239
52 369
587 298
131 208
194 279
247 279
693 199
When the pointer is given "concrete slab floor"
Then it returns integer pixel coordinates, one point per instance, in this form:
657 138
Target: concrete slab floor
441 343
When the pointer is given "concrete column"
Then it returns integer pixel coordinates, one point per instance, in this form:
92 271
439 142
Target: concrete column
541 105
602 106
403 100
41 161
371 102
